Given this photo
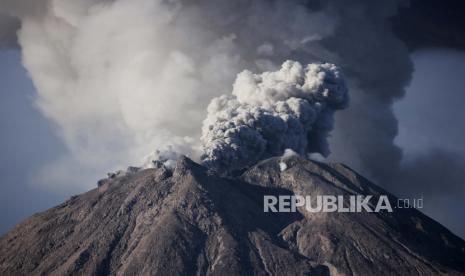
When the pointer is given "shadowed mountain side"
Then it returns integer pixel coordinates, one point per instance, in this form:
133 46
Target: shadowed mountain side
191 221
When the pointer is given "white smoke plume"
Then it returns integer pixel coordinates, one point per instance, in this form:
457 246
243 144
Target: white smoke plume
121 78
291 108
169 153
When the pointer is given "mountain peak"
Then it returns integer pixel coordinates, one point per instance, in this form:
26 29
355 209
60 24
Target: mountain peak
192 221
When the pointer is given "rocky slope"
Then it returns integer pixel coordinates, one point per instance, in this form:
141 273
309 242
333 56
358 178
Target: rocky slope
192 222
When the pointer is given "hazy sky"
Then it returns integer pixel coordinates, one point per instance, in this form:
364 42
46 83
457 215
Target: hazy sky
26 143
430 117
433 114
432 129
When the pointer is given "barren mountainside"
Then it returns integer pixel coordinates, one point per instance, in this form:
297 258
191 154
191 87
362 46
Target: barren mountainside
192 222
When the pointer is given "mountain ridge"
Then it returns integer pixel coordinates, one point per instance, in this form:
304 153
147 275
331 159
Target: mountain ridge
191 221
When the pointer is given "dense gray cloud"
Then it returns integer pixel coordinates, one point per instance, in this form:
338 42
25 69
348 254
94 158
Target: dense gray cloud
8 27
431 24
122 78
291 108
378 67
25 8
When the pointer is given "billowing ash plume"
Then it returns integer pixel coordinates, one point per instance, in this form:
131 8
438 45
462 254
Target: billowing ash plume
120 78
291 108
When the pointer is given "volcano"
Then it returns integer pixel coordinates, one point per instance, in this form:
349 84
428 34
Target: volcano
191 221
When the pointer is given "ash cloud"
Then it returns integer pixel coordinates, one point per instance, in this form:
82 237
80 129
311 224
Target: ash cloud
122 78
119 79
291 108
8 28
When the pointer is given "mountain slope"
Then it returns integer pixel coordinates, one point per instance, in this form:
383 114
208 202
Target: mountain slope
191 221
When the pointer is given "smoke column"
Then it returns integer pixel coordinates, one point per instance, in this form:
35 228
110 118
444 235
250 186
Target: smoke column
270 112
122 78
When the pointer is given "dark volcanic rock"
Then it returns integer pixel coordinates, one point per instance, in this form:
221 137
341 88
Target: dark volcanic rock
190 222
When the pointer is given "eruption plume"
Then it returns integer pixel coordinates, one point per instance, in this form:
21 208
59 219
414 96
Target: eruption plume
291 108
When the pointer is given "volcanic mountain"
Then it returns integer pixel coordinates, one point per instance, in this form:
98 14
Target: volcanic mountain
190 221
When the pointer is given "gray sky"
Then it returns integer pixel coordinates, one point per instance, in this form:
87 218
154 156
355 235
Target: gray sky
432 136
26 143
432 113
